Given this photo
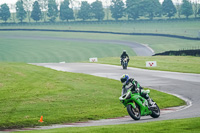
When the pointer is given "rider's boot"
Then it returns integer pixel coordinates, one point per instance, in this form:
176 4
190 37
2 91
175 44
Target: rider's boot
151 103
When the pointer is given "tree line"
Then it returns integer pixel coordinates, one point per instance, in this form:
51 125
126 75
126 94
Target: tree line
134 9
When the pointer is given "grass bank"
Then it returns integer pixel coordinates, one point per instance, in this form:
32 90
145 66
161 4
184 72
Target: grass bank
169 126
158 44
185 64
38 50
28 91
183 28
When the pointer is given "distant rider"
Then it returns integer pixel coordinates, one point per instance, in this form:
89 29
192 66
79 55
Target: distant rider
130 83
124 55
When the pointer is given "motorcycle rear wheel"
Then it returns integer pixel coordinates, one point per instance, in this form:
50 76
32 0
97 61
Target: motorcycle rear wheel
134 113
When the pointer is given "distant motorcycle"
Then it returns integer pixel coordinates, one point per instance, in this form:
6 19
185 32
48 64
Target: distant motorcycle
137 106
124 63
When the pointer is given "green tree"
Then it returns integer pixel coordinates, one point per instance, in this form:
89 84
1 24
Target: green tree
5 12
66 13
150 8
178 8
52 10
13 15
36 13
117 9
74 4
186 8
27 7
20 12
133 9
107 8
198 13
85 11
168 8
44 7
97 10
195 8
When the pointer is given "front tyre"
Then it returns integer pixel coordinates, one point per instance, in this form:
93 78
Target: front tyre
134 113
124 65
155 111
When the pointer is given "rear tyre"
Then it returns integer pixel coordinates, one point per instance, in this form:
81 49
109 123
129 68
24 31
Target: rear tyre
134 113
155 111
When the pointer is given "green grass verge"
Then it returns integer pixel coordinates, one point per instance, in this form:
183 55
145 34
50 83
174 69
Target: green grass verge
158 44
190 125
40 51
183 28
28 91
186 64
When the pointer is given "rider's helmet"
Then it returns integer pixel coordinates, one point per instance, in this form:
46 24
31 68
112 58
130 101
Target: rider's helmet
124 78
124 51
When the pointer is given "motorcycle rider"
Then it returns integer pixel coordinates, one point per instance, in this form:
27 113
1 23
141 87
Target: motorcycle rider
130 83
124 55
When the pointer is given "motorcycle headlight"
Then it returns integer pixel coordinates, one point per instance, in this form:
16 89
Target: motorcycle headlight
124 96
128 96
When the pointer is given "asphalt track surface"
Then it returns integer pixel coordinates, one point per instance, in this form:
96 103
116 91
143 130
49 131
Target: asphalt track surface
183 85
140 49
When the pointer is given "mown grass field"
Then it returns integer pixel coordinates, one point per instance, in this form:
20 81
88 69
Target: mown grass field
158 44
28 91
34 50
168 126
185 28
186 64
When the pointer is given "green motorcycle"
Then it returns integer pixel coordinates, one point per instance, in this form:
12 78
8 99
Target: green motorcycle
137 106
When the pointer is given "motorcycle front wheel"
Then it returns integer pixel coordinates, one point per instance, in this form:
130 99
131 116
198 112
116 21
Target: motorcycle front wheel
155 111
124 66
134 113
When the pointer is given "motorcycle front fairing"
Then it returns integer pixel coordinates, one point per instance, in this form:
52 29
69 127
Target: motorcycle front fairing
133 99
